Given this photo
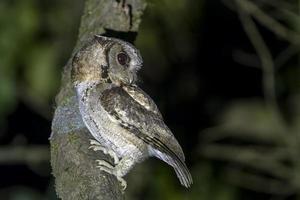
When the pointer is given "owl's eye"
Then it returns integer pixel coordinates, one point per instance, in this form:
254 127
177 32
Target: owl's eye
122 58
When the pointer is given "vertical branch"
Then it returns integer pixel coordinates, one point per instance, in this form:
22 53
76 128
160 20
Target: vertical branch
73 164
265 56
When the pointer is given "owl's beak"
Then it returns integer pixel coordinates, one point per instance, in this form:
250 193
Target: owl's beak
119 79
132 78
128 81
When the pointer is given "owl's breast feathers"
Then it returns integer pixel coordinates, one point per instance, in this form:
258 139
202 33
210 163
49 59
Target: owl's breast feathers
136 112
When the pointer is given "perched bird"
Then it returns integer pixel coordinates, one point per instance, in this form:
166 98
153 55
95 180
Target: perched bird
122 118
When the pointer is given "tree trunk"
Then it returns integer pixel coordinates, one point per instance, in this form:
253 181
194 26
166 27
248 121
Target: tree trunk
73 164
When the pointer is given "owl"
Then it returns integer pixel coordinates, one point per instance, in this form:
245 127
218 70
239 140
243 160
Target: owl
124 121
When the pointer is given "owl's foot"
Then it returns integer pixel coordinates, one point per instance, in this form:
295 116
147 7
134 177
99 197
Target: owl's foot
103 164
108 168
96 146
122 182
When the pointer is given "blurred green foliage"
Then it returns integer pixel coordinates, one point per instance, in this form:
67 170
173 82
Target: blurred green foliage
259 138
36 38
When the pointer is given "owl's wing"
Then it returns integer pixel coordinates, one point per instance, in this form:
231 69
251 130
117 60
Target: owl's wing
142 98
136 112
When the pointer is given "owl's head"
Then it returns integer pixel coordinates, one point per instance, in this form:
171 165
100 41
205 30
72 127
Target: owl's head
105 60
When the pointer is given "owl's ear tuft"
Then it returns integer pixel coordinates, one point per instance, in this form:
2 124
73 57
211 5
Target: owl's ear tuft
101 39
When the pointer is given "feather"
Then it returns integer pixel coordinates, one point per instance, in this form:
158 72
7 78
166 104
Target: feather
146 123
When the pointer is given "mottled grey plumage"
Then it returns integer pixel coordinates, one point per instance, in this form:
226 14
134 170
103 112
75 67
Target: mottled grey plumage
120 116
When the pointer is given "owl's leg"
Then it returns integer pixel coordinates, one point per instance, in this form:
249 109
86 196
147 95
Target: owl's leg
96 146
124 166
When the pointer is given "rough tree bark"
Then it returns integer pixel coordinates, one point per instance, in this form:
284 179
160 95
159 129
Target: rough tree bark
73 164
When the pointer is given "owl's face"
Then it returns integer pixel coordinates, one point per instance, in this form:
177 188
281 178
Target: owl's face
106 60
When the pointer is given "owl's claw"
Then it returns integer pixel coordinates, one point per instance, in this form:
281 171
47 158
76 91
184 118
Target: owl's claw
96 146
103 163
123 183
94 142
108 168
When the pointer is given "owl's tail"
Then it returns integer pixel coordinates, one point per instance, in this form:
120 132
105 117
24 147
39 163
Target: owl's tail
182 172
178 164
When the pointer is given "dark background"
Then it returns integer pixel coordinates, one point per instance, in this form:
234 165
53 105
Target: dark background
201 70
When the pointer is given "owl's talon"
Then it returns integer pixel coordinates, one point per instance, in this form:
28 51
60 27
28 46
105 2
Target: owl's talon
122 182
103 163
94 142
96 146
